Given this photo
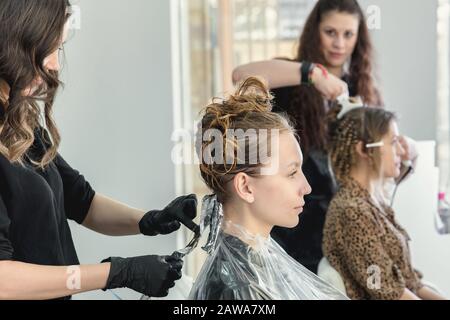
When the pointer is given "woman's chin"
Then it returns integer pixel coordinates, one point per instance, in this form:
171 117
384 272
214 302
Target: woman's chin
335 63
394 175
290 224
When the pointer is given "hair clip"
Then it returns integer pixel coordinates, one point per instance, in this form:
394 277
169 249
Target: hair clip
375 145
348 104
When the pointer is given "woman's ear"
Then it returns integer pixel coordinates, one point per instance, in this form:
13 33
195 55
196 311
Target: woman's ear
360 150
243 188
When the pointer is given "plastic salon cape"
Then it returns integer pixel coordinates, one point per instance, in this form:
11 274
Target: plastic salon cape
246 267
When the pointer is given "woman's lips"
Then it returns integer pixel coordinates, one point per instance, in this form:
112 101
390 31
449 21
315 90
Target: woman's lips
336 55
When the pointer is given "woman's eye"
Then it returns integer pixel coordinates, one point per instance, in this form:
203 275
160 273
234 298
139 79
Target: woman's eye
330 32
349 35
293 174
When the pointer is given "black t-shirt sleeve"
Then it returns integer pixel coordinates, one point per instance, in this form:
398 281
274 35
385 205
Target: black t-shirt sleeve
6 249
78 193
282 98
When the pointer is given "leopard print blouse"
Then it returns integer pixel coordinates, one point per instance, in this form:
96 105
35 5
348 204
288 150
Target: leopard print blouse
368 247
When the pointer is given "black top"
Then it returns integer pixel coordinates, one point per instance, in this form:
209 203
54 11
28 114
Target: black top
35 205
304 242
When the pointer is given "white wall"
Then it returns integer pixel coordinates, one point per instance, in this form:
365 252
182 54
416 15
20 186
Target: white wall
116 117
406 48
416 206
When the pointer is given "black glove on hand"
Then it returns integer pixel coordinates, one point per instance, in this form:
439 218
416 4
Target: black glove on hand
152 276
182 209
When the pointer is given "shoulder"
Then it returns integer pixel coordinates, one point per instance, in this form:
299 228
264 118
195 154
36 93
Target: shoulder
345 206
8 170
3 161
217 280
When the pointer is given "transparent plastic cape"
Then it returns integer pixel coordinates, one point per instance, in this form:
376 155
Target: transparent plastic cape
241 266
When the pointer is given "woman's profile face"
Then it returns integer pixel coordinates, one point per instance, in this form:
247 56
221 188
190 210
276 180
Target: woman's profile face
391 152
338 37
51 62
279 197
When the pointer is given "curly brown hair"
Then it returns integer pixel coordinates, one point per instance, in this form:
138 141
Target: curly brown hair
368 125
248 109
307 106
30 31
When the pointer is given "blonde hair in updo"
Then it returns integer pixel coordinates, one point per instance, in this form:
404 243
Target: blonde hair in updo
249 108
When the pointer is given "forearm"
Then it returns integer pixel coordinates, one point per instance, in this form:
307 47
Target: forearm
20 281
113 218
278 73
426 293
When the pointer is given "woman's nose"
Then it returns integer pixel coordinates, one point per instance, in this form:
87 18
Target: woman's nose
52 62
400 150
306 188
339 42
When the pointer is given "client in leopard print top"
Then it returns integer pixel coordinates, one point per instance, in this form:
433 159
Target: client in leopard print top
362 239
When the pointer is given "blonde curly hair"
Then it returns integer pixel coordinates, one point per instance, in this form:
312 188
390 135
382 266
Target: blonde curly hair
249 108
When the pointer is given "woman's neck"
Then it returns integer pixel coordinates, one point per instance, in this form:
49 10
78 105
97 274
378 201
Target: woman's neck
336 71
241 215
364 179
369 182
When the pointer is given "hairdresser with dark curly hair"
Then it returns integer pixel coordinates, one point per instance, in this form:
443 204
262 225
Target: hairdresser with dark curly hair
334 56
40 192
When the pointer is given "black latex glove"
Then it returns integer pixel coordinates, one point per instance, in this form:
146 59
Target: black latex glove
152 276
182 209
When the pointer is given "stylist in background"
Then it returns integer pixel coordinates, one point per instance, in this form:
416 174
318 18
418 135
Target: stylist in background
40 192
334 56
